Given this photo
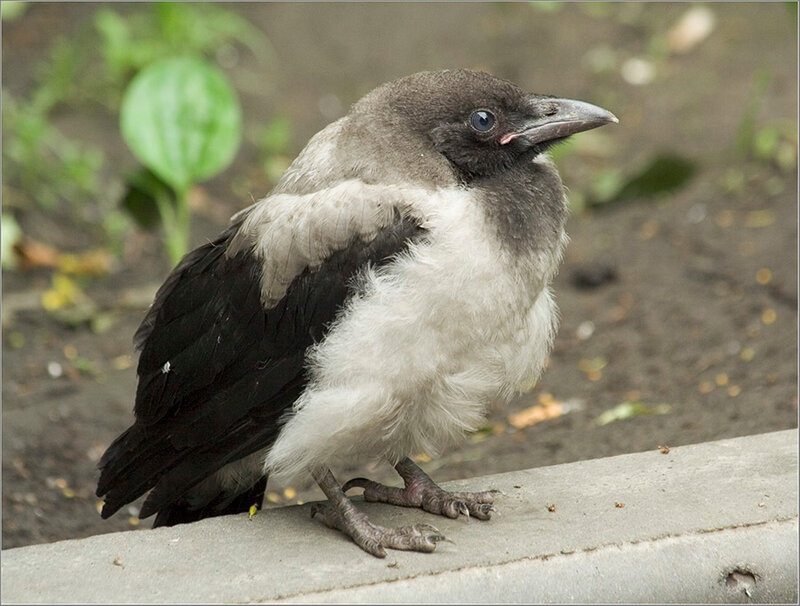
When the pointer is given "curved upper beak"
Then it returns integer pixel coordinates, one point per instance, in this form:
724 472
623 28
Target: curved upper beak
558 118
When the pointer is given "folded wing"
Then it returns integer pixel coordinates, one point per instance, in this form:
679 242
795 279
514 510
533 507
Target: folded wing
219 368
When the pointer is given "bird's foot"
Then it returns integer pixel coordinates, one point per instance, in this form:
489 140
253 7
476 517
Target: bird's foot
376 539
420 491
341 514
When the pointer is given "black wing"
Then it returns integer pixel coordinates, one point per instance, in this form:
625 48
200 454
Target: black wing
217 371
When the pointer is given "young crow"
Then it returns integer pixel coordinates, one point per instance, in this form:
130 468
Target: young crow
393 284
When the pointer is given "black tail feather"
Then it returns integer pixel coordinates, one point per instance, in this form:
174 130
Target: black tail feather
181 512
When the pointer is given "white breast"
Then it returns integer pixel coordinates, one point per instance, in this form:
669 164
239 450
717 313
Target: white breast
433 337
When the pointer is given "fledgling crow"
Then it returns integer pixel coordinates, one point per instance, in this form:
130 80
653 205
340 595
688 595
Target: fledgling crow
393 284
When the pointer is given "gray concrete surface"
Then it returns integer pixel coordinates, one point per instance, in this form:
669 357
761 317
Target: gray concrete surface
713 522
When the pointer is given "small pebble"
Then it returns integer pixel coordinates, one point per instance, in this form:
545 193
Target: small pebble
697 213
638 71
54 369
585 330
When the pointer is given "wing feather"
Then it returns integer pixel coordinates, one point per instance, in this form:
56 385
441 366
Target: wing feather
217 370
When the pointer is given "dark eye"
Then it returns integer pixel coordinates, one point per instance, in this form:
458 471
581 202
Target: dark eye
482 120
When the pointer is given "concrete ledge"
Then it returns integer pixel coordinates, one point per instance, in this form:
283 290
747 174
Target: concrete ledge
713 522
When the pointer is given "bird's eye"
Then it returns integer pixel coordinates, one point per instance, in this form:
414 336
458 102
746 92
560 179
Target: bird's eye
482 120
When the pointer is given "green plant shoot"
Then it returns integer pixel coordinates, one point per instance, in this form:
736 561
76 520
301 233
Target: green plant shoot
182 120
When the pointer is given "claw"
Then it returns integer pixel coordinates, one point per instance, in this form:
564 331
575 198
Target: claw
425 526
421 491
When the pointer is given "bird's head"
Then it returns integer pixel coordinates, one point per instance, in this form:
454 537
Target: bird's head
481 124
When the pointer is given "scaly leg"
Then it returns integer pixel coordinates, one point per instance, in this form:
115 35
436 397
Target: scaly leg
341 514
421 491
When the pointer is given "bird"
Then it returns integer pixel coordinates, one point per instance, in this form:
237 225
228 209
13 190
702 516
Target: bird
394 283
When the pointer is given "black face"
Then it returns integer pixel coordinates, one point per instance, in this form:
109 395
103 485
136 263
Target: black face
478 139
483 125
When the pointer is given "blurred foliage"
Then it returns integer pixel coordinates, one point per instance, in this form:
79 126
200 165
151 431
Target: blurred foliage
43 163
120 41
59 77
182 120
628 410
129 43
144 188
37 158
663 174
12 9
53 171
774 142
746 133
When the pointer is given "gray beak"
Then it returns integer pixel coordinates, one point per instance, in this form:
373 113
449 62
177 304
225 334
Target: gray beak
560 118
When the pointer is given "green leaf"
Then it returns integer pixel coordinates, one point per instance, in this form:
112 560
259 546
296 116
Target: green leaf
628 410
144 188
665 173
766 142
182 120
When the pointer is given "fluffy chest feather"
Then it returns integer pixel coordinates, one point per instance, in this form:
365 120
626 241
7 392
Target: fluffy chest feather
459 320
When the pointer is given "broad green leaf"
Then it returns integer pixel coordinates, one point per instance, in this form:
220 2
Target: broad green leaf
182 120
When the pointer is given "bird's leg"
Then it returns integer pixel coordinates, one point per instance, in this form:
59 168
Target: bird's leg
421 491
341 514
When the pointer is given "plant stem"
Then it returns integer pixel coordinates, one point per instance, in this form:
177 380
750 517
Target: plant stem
176 221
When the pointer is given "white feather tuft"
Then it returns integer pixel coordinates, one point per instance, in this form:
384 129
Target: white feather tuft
413 362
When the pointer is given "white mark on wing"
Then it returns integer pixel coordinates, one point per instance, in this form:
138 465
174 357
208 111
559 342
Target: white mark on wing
166 367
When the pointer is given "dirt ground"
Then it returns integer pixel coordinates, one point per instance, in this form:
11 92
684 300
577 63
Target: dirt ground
679 313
